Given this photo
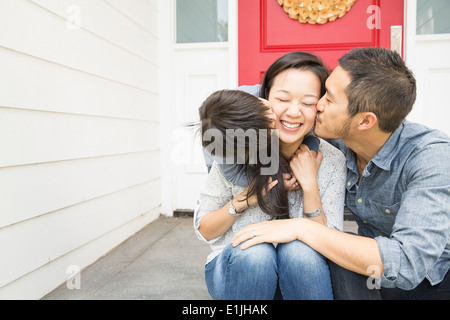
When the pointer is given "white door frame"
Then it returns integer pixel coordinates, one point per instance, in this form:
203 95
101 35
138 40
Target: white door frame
425 69
410 31
168 46
166 40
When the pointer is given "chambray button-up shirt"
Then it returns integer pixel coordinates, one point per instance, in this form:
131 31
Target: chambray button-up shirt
403 202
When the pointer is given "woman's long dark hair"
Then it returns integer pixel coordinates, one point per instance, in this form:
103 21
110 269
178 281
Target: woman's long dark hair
275 203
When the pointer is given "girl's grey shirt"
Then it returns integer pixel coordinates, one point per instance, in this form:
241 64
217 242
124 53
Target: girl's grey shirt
218 191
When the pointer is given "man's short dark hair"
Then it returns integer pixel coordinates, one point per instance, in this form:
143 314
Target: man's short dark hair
380 83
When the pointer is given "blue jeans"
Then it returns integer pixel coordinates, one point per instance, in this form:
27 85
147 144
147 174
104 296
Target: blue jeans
254 274
348 285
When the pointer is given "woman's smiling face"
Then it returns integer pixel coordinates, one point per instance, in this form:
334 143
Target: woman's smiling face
293 98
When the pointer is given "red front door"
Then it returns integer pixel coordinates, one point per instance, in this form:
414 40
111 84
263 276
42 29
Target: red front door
266 32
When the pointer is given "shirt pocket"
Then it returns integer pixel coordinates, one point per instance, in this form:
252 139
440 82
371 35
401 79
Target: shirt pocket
383 216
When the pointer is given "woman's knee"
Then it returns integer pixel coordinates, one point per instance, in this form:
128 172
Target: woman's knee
262 254
303 273
243 274
300 255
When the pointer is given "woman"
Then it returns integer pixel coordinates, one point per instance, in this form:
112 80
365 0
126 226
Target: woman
293 85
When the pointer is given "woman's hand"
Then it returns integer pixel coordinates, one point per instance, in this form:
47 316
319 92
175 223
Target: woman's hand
305 166
278 231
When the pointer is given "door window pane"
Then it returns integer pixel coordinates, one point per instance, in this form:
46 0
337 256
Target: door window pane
202 21
433 16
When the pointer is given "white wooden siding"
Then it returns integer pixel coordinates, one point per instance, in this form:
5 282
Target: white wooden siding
79 135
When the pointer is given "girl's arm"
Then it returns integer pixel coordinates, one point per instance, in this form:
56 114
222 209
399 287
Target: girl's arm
217 222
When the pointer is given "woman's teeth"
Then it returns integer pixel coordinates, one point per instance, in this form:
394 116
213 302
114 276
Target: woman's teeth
291 125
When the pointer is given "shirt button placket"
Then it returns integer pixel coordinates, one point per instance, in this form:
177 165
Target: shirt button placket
360 201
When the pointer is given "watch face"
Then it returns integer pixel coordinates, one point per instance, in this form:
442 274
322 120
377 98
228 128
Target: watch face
231 209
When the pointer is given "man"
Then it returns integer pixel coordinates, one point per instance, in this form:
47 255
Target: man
398 186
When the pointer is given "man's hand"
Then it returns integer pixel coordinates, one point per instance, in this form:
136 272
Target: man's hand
278 231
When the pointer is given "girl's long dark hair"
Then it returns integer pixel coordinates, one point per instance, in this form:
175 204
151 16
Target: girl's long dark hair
235 111
275 202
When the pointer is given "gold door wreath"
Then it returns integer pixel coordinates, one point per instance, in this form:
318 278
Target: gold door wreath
316 11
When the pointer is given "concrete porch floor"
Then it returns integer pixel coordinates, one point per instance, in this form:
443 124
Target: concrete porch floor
164 261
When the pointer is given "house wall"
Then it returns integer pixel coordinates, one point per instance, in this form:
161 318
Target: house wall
79 135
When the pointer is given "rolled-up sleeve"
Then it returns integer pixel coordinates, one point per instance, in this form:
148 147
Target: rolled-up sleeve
390 255
216 194
422 225
198 215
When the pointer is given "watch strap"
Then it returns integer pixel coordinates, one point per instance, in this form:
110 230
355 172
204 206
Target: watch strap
314 214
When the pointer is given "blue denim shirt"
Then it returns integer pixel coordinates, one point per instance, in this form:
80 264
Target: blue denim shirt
403 202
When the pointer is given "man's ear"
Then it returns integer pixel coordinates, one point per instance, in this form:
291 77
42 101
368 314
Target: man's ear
367 120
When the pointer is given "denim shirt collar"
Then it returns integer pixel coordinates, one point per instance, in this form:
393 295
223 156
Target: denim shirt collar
383 158
389 151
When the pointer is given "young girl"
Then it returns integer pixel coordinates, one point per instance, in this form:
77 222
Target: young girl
293 86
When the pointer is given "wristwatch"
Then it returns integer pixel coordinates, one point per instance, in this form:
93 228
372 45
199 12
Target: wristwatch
232 209
314 214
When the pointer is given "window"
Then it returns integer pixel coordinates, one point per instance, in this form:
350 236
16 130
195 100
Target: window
202 21
433 17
